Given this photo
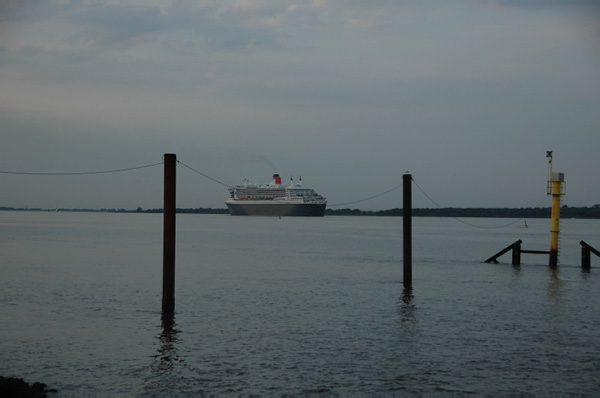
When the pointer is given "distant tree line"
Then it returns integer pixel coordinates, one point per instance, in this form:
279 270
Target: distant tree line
138 210
199 210
538 212
545 212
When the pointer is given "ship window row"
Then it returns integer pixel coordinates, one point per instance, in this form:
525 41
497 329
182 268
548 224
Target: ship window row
302 192
259 191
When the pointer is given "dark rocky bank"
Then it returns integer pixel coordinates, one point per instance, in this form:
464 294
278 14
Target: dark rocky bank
11 387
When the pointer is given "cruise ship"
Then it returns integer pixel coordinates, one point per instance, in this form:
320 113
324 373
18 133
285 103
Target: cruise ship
275 199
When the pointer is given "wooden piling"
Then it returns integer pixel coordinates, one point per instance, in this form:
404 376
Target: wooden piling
586 261
586 254
407 228
168 298
494 258
516 253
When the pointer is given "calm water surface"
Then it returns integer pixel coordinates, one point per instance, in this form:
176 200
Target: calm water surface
296 305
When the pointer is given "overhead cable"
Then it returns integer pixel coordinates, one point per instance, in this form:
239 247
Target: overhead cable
467 223
364 200
79 173
204 175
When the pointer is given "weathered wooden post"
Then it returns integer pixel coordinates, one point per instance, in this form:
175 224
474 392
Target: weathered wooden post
586 261
168 298
516 253
407 228
586 253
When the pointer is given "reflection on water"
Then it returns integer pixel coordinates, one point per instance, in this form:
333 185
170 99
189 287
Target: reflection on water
406 307
167 351
164 374
555 286
516 270
288 307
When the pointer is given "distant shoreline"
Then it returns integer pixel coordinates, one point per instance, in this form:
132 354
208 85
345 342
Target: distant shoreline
538 212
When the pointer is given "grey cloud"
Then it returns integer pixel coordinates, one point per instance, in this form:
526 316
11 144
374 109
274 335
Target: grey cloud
116 25
540 4
105 25
121 25
359 102
221 29
18 10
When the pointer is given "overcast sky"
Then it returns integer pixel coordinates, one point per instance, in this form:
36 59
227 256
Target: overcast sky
466 95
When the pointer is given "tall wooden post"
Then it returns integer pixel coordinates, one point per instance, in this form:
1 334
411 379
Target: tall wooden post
586 251
407 228
516 253
586 261
168 298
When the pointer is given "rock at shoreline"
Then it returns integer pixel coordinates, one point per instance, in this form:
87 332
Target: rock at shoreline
12 387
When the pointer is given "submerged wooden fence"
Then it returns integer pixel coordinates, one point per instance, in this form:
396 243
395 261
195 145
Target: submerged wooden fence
586 250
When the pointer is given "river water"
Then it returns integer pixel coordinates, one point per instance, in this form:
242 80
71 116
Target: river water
296 306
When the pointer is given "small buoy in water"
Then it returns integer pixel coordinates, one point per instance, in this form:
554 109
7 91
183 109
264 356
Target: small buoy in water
525 223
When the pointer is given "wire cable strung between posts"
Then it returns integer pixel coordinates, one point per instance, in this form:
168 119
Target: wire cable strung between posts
204 175
369 198
466 223
79 173
330 205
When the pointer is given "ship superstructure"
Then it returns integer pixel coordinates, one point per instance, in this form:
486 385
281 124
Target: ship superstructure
275 199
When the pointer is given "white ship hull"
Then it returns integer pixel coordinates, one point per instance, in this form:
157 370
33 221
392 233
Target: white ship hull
275 208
